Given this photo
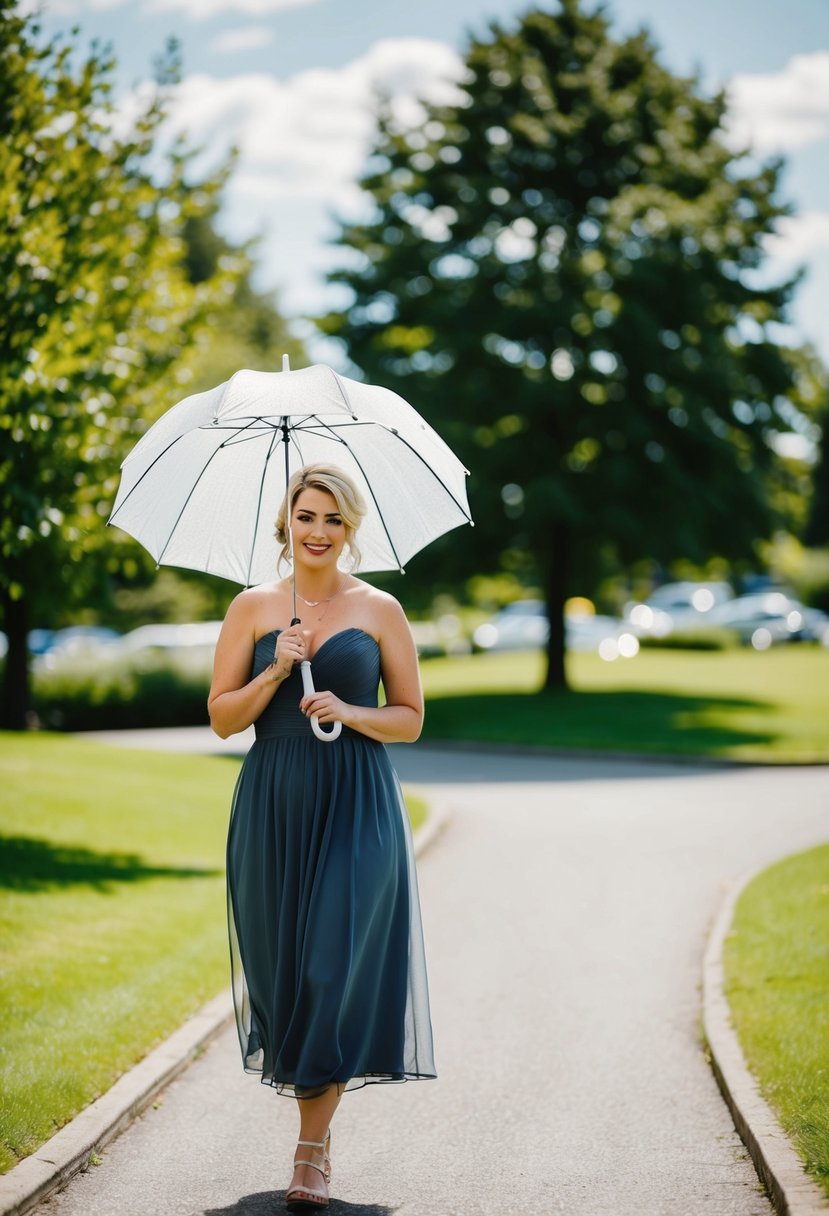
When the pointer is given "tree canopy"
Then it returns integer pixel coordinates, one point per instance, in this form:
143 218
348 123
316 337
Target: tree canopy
99 310
561 270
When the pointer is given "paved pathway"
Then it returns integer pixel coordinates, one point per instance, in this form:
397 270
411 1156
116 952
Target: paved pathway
566 909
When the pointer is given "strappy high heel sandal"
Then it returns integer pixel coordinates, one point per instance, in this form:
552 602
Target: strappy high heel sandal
306 1199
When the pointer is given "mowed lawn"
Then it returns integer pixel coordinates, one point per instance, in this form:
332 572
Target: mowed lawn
112 916
776 961
112 920
735 704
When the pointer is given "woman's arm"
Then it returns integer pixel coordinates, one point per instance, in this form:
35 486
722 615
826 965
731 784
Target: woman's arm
400 720
235 701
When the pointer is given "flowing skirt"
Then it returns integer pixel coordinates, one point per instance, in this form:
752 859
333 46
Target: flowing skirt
327 957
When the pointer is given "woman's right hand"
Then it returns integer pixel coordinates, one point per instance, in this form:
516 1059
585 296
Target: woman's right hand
290 650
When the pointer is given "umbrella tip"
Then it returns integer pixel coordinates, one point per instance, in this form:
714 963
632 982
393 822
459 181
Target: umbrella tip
286 363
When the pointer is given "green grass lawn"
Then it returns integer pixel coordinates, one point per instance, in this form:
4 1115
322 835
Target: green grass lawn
112 917
776 961
735 704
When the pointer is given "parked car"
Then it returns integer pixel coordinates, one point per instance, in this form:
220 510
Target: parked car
77 642
523 625
677 606
200 635
768 618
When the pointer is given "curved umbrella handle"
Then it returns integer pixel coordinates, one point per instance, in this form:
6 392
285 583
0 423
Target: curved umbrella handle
327 736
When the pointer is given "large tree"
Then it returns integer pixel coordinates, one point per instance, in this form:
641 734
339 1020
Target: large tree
98 312
560 269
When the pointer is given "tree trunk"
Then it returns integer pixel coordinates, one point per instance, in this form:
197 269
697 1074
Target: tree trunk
556 583
16 702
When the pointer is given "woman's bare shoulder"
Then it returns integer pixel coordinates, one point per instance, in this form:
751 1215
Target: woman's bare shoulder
253 604
380 607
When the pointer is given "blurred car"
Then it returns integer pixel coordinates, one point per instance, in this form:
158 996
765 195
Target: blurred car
75 643
816 626
39 640
769 618
441 636
201 635
677 606
523 625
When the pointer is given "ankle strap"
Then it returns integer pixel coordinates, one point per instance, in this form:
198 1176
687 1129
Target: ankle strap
313 1143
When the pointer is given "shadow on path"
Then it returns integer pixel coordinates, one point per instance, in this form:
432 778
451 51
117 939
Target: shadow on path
266 1203
31 864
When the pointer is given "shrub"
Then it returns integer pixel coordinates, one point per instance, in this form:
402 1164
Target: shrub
694 639
141 691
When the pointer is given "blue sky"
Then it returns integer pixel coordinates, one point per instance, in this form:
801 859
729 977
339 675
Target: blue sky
290 80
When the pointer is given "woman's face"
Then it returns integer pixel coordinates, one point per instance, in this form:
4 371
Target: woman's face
318 529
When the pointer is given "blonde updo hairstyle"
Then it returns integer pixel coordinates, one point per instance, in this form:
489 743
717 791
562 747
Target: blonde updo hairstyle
338 484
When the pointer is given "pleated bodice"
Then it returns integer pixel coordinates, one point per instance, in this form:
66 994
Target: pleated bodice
355 681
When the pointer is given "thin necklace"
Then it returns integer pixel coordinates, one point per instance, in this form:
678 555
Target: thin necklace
315 603
327 600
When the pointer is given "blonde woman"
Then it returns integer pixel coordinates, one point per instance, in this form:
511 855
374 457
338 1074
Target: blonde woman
329 974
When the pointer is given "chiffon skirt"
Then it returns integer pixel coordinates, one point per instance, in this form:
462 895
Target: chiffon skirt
327 958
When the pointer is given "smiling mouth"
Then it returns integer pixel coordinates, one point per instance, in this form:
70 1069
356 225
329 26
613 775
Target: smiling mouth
316 548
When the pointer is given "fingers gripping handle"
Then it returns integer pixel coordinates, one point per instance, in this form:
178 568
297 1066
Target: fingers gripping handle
327 736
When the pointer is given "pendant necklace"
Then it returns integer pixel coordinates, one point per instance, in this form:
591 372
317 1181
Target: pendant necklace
327 602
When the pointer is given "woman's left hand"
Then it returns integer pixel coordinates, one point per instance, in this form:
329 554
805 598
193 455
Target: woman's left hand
328 707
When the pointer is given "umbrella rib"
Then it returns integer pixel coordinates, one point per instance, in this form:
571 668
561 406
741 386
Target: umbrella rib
323 430
259 503
437 478
184 505
148 469
356 460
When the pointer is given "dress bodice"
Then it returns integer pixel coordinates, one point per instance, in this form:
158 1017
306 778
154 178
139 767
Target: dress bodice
347 664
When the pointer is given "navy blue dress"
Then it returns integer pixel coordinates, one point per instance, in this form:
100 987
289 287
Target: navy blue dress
327 959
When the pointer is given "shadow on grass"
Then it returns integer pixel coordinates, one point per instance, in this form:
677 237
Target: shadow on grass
662 723
266 1203
30 864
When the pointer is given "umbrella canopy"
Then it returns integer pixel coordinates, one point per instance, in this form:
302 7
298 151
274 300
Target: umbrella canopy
201 489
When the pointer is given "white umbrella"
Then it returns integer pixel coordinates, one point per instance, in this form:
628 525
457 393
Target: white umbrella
201 489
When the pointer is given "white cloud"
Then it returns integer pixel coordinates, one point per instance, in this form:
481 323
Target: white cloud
194 10
242 38
799 237
201 10
302 142
308 135
780 111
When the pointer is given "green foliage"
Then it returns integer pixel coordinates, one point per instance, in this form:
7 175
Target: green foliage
98 311
142 692
693 639
560 271
777 982
806 571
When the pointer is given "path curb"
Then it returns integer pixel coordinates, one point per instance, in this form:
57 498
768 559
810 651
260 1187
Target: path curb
792 1191
70 1150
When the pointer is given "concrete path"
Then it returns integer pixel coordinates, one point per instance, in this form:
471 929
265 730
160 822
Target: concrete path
566 908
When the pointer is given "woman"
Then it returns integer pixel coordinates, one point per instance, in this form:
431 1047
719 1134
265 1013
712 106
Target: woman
329 975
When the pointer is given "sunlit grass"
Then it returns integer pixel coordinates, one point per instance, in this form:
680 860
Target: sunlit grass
739 704
777 981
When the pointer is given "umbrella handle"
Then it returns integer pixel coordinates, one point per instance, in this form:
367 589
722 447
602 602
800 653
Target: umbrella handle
327 736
